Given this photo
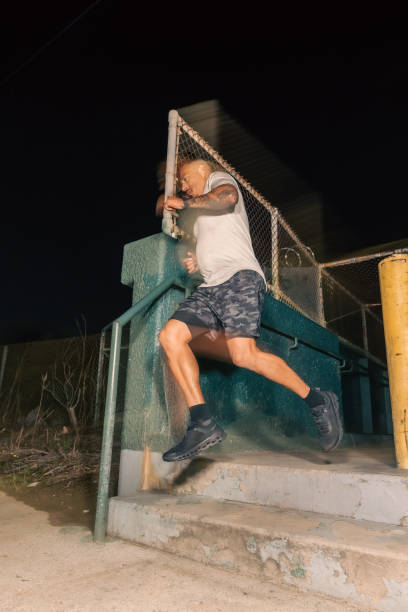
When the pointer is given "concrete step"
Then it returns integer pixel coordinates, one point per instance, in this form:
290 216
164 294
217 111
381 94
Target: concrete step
362 562
361 483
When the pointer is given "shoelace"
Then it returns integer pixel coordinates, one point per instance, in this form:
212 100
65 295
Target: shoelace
320 419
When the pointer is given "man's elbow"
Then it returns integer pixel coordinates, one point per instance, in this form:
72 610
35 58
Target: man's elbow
230 196
226 196
233 196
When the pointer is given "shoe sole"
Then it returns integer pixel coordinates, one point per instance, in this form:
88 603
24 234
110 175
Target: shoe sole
215 438
335 405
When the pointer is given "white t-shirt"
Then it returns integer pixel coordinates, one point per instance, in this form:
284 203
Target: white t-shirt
224 244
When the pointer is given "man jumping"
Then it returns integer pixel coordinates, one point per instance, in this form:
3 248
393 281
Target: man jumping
230 301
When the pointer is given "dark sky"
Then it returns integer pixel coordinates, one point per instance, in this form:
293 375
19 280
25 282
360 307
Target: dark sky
84 125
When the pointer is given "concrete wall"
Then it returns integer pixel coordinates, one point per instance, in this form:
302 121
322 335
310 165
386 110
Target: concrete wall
254 410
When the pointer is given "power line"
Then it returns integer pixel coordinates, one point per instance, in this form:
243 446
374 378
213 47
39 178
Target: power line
32 57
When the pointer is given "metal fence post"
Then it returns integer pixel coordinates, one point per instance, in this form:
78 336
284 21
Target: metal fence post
320 302
364 323
107 440
99 378
275 254
168 225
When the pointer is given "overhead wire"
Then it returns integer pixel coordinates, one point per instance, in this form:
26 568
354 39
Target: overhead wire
36 53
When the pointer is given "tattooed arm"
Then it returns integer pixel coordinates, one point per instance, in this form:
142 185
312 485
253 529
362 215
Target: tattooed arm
220 200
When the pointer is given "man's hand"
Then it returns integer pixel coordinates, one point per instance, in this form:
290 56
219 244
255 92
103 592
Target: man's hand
173 203
160 205
190 263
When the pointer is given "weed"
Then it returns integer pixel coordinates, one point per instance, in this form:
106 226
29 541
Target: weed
16 480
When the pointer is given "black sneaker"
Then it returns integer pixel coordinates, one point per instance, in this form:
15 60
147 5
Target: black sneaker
327 419
198 438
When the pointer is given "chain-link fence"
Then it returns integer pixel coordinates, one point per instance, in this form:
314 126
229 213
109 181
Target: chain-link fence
343 296
352 302
284 259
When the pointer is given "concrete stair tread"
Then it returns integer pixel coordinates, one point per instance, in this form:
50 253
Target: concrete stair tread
370 459
360 561
324 530
355 483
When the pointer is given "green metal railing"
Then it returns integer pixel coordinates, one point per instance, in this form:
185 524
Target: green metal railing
110 403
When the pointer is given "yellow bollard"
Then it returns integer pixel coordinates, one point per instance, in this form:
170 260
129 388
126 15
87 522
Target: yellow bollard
393 272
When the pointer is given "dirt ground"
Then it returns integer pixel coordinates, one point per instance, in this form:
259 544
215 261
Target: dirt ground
49 562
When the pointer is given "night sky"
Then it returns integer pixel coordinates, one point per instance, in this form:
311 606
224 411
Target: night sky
84 125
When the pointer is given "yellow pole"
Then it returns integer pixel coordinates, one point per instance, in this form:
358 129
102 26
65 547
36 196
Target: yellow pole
393 273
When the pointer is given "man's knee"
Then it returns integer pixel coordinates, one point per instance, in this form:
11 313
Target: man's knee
172 335
249 357
241 357
239 360
166 337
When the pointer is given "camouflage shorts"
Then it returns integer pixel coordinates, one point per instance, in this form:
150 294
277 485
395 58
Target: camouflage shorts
234 307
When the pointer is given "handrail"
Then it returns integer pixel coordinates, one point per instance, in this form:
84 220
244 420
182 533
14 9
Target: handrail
319 349
110 404
297 339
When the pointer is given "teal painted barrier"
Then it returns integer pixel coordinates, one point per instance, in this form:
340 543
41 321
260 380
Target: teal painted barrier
366 394
237 397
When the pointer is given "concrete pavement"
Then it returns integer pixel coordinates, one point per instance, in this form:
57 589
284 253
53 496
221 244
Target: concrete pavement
48 568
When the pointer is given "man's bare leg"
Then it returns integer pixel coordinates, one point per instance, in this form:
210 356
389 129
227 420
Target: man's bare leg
323 405
245 354
174 339
203 432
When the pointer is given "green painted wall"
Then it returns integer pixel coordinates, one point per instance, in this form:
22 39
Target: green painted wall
253 409
366 395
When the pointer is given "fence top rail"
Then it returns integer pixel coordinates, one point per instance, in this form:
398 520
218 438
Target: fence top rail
353 260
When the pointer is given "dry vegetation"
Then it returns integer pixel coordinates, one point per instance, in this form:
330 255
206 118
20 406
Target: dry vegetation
54 459
57 441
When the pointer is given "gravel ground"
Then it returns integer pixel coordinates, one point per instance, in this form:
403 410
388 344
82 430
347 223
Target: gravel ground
48 565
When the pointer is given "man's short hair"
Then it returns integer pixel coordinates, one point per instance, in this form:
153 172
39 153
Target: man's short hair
213 166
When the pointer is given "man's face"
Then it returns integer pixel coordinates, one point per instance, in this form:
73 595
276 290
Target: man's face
192 179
